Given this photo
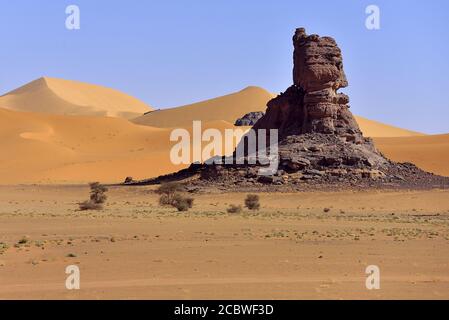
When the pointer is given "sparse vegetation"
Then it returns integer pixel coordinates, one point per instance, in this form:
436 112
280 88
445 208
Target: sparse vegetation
97 197
170 196
181 205
189 201
252 202
168 191
164 200
234 208
3 247
97 193
23 240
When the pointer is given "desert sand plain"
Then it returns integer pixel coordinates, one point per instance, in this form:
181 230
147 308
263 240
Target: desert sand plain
304 245
290 249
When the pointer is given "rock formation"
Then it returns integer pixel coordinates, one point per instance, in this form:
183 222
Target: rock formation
314 122
312 104
320 143
249 119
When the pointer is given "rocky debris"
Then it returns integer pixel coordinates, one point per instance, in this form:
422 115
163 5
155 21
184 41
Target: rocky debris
320 143
128 180
249 119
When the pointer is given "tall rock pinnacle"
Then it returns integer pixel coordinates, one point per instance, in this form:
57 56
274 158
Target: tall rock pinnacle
312 104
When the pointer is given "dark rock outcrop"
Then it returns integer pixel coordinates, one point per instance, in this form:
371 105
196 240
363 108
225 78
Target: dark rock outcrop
249 119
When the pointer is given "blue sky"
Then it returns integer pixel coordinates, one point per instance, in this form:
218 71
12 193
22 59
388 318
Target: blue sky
170 53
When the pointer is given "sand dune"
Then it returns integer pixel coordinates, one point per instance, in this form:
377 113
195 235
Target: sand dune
58 96
43 148
235 105
430 153
46 148
227 108
374 129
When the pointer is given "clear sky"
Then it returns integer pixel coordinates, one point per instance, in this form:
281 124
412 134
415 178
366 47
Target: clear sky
170 53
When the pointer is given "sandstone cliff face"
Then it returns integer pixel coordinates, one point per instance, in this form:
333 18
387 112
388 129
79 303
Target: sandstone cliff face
312 104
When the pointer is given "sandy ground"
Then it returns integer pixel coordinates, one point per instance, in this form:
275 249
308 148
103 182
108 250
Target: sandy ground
290 249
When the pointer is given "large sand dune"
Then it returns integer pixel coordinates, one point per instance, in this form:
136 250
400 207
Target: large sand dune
58 96
43 148
52 148
228 108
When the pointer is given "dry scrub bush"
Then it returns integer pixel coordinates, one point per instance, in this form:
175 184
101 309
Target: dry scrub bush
97 197
170 196
252 202
234 208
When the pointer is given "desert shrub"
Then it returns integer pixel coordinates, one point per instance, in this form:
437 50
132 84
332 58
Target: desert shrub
164 200
23 240
97 197
234 208
252 202
3 247
168 191
170 196
97 193
182 203
189 201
